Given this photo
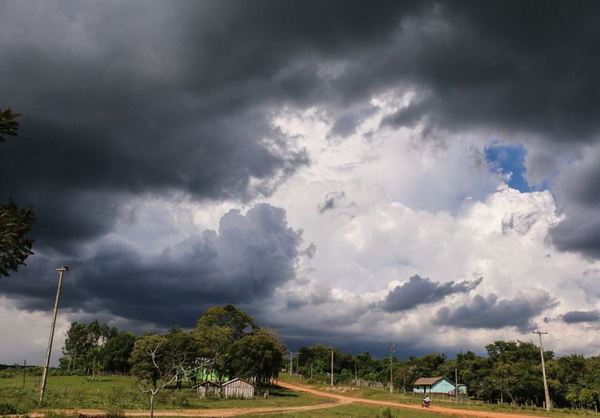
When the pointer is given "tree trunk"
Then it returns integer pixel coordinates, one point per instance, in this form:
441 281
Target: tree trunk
151 405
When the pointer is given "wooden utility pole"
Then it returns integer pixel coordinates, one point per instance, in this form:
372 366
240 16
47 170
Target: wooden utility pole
291 364
24 369
331 368
61 271
456 383
546 393
392 350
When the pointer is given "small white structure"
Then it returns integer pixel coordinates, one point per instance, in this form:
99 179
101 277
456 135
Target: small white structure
237 389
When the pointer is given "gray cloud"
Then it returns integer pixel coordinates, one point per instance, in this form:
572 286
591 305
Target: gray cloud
180 97
417 291
574 317
493 313
244 262
330 201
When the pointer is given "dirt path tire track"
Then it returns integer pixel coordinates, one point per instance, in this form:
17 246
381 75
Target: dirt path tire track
432 409
216 412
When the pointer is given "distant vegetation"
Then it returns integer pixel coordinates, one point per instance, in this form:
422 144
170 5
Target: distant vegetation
511 373
227 343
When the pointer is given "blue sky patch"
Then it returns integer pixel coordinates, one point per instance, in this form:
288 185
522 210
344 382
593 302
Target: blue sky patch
509 161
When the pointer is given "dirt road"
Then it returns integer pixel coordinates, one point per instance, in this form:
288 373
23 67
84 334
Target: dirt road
432 409
340 400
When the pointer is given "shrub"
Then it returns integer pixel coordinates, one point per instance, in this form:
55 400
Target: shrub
8 408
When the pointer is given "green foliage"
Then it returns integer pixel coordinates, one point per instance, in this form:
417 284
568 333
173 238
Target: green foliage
95 345
8 408
15 247
116 352
257 355
217 330
8 123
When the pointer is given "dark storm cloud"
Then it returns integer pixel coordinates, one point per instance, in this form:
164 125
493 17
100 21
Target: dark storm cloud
136 97
493 313
417 291
242 263
575 317
579 192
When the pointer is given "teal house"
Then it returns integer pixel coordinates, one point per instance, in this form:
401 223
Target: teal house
437 385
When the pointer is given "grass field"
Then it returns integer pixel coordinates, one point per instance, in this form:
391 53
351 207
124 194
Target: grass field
118 393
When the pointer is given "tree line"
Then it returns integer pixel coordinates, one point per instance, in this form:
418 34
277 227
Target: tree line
225 343
510 372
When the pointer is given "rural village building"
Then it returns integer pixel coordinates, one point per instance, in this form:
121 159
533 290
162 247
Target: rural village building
208 389
234 389
437 385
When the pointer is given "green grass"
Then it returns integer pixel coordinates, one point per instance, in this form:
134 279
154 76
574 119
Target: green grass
118 393
355 411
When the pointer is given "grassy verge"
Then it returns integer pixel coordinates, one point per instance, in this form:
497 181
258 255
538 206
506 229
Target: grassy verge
118 393
355 411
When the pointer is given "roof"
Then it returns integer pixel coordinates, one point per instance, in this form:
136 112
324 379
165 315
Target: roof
206 383
235 380
428 381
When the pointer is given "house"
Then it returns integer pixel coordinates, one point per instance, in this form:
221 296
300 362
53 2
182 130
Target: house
238 389
208 389
439 385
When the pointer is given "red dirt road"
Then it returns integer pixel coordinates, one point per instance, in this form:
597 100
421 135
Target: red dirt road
432 409
340 400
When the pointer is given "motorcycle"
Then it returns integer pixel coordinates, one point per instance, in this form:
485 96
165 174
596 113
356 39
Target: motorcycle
426 403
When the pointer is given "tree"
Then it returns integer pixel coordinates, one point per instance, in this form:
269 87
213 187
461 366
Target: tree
154 365
15 247
84 344
8 123
15 223
217 330
115 354
258 355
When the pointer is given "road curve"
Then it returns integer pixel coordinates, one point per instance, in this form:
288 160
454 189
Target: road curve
432 409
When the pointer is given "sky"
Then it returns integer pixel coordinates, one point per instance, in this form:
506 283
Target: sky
354 173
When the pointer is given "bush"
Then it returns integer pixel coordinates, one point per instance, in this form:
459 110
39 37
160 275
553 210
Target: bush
387 413
7 408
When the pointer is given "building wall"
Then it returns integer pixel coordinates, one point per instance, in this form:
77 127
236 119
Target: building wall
443 386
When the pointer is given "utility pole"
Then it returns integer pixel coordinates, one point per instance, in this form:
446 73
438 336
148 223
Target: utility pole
24 369
331 368
61 271
546 393
291 364
392 350
456 383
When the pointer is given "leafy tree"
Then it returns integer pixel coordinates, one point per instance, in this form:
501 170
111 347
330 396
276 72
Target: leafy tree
217 330
15 247
257 355
84 344
8 123
154 365
115 354
15 223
